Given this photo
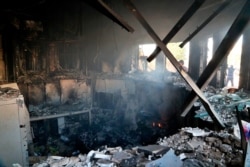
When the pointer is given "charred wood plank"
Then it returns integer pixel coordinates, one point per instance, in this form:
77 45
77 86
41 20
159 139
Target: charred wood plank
187 15
210 18
103 8
220 54
169 55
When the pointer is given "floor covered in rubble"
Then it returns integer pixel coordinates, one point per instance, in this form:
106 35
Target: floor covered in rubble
109 140
123 130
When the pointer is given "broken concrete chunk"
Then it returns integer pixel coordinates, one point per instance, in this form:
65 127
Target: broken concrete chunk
112 150
153 149
211 139
44 164
225 148
187 155
169 158
98 155
196 131
72 161
61 162
124 159
82 157
197 163
195 144
105 163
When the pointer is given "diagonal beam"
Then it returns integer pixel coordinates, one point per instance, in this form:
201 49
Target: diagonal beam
169 55
220 54
210 18
103 8
187 15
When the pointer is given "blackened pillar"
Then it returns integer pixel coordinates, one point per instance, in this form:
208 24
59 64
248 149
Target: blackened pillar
2 65
194 59
10 40
219 79
203 55
244 81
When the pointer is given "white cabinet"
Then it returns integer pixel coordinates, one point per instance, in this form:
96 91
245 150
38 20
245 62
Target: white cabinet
14 129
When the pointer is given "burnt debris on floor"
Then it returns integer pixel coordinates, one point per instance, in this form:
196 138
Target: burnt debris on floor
78 114
225 102
126 122
188 147
109 141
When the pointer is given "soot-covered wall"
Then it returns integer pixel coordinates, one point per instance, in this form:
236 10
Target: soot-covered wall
85 39
124 110
126 96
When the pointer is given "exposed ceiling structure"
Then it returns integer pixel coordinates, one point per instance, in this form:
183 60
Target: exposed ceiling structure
85 37
43 9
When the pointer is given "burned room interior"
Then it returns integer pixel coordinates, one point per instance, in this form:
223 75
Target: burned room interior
99 83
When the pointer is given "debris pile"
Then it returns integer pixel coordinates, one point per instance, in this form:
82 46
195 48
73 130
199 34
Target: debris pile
189 147
224 102
105 129
7 93
217 148
109 129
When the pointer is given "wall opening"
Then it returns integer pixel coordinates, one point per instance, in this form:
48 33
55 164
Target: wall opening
144 52
179 53
234 60
210 44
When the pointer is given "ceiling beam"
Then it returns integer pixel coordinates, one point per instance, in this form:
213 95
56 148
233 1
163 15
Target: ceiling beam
220 54
210 18
103 8
186 16
215 117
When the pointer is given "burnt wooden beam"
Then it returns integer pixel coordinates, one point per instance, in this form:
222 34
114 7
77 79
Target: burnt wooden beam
103 8
169 55
210 18
186 16
220 54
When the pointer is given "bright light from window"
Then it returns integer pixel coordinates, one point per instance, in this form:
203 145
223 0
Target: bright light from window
179 53
234 58
209 49
144 51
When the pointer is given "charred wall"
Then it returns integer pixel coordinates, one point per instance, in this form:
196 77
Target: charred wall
71 58
125 109
87 40
124 95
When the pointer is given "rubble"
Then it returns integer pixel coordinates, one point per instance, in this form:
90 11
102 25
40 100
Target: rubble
7 93
189 147
221 148
169 158
224 102
185 148
154 150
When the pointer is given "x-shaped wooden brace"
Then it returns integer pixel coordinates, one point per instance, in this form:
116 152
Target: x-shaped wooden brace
220 54
169 55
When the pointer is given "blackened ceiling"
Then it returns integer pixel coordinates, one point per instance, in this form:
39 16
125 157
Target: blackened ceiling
168 10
